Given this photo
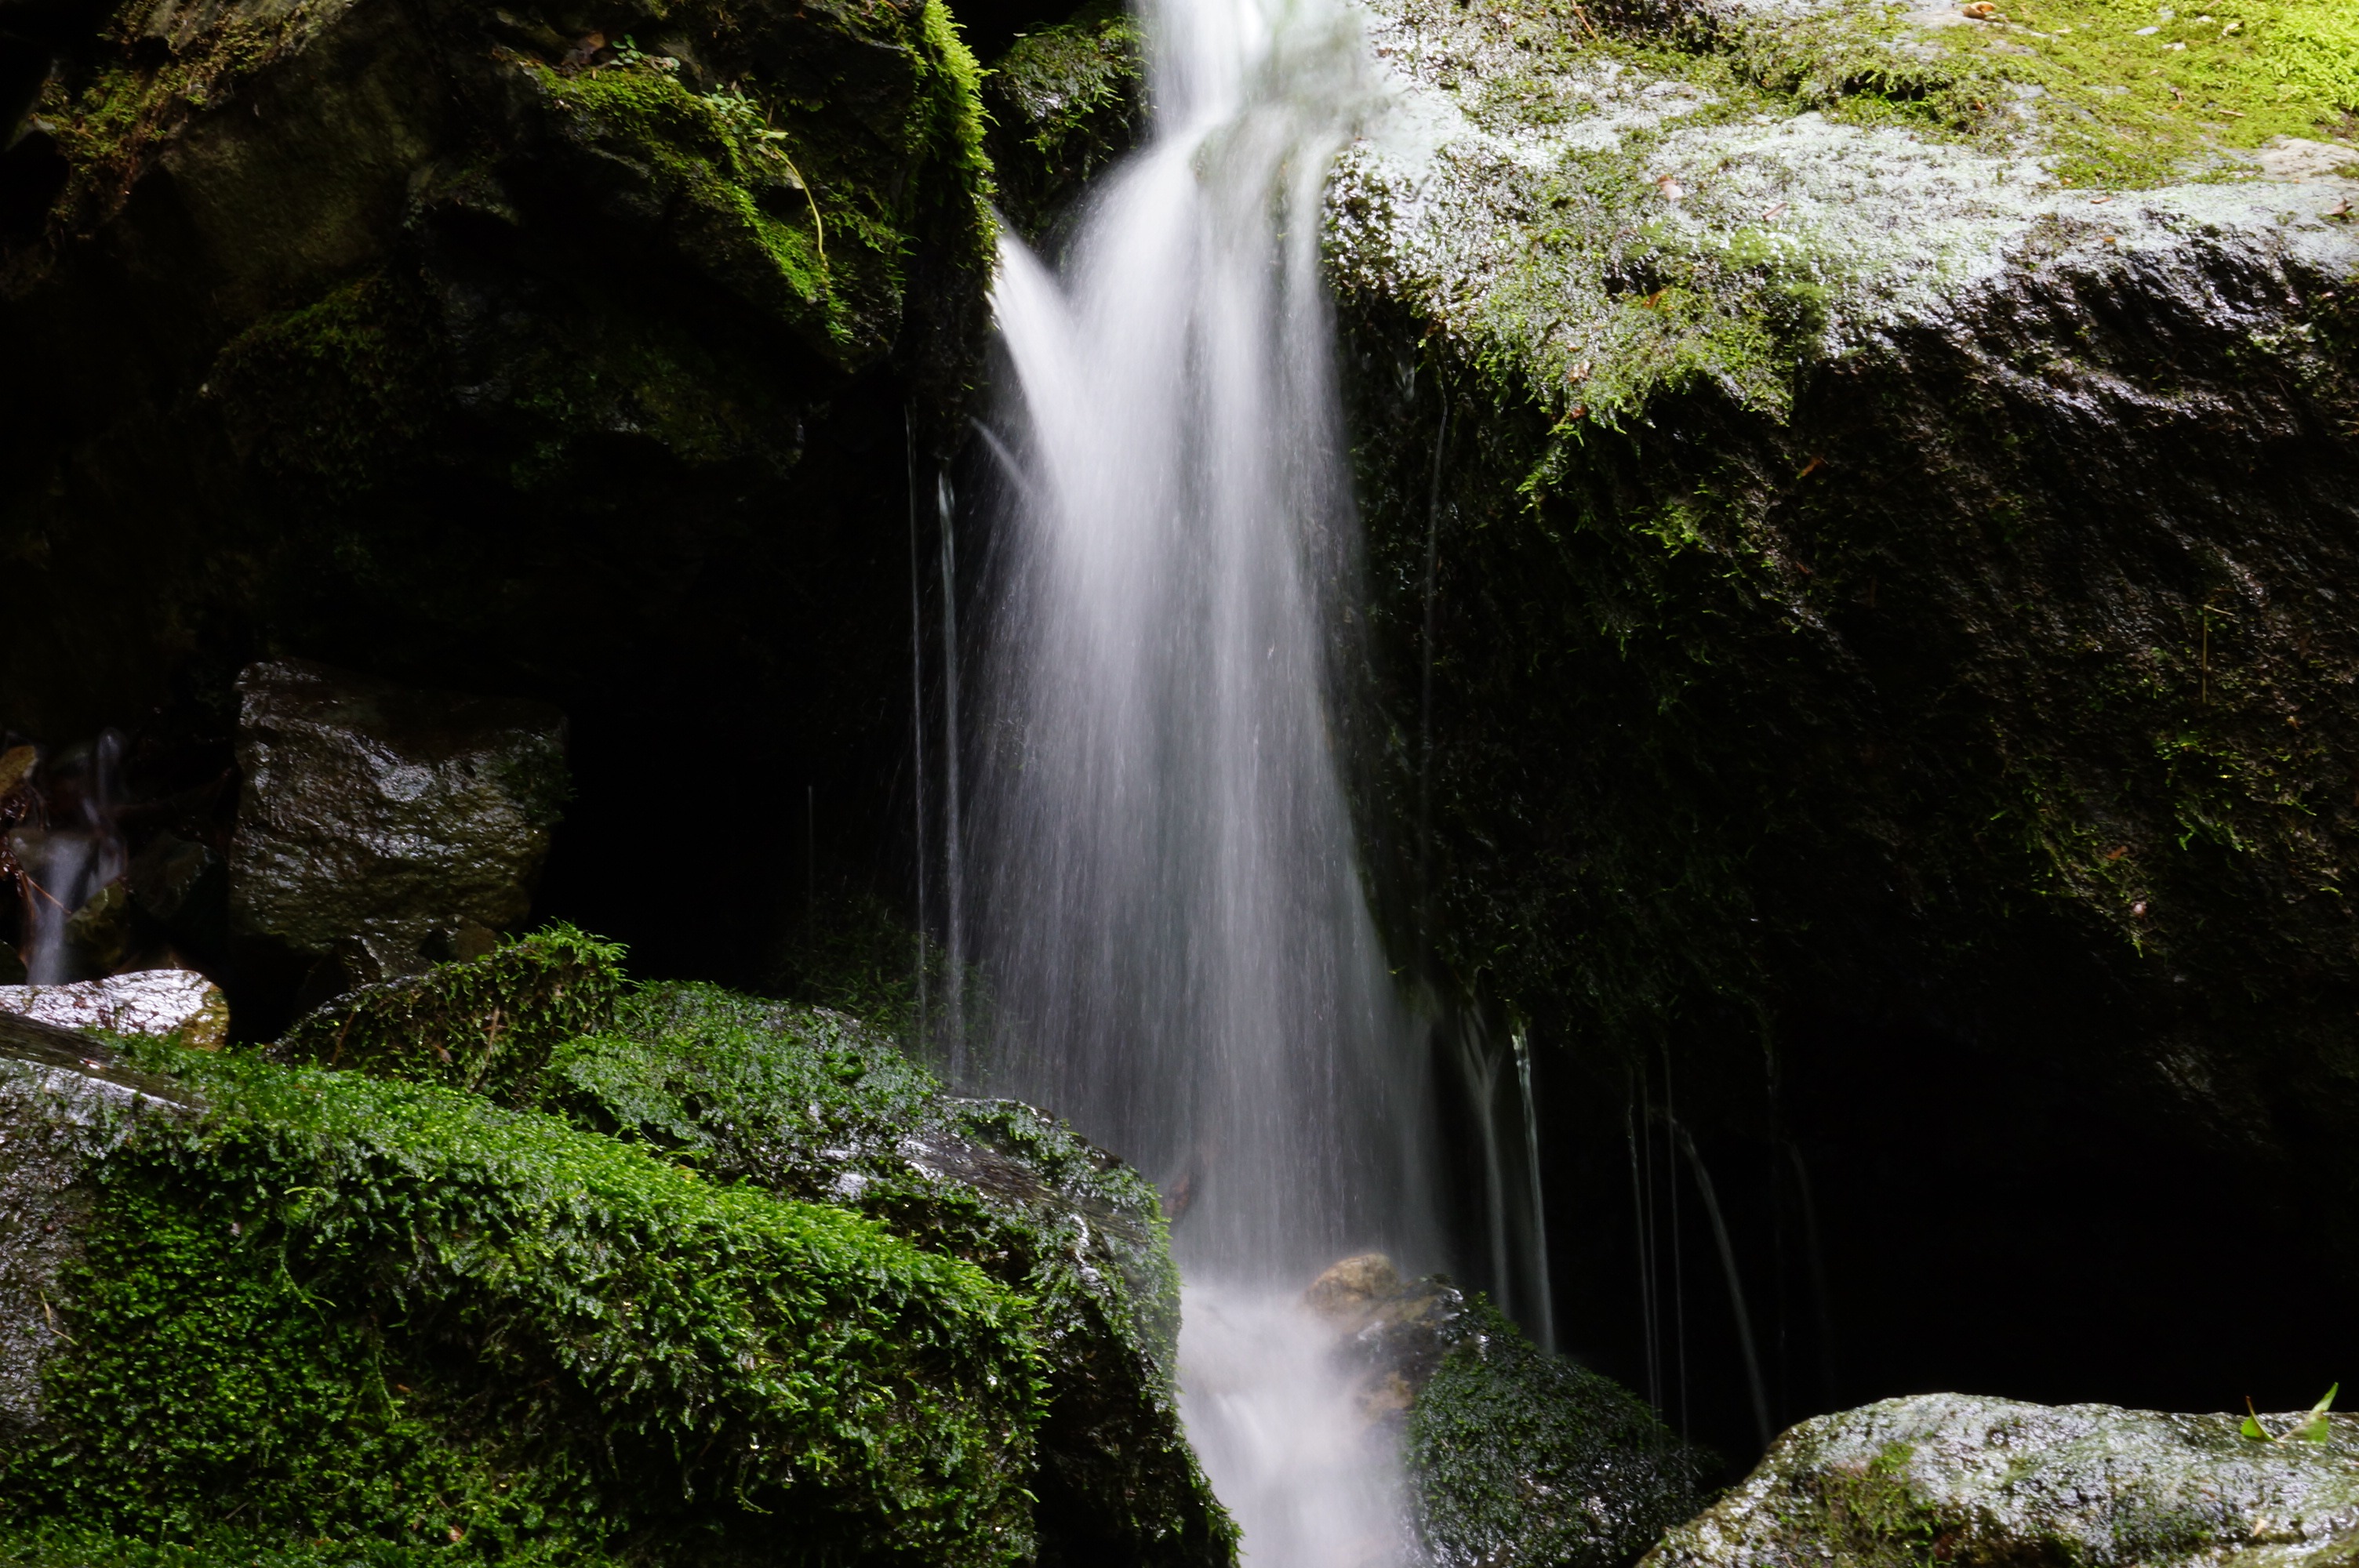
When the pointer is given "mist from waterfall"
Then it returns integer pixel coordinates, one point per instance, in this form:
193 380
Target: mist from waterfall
1171 907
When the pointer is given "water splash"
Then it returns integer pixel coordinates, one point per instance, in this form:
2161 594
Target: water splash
1170 901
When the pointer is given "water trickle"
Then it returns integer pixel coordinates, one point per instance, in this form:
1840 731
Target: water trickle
1171 906
76 850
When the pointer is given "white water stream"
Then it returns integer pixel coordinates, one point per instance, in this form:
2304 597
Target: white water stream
1171 907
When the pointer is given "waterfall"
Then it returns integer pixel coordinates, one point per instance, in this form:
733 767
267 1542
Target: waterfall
1169 902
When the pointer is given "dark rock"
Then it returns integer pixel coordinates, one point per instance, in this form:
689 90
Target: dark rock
1985 1483
1515 1458
383 817
1521 1459
1066 102
172 880
1396 1330
417 340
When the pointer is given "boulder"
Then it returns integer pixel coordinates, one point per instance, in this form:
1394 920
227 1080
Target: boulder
162 1003
813 1106
386 826
1066 102
1860 501
1981 1483
335 1314
1515 1458
568 352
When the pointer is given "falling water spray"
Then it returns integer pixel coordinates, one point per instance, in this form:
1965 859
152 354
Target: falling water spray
1171 904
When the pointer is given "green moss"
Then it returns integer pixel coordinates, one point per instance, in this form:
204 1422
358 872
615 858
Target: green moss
487 1025
1526 1460
391 1314
809 1102
1066 101
732 181
109 128
2114 91
338 390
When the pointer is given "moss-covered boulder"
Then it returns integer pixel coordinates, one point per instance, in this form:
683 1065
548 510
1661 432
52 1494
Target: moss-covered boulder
1522 1459
512 1260
1982 1482
1874 492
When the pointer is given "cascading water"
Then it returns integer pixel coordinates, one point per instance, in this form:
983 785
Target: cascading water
1173 913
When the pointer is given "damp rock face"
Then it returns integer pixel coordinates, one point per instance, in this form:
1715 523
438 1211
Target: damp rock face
1066 102
1954 1479
1521 1459
1891 555
1515 1458
391 825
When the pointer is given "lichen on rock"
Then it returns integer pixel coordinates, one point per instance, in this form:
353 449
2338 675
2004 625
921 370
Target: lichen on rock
1984 1482
1838 542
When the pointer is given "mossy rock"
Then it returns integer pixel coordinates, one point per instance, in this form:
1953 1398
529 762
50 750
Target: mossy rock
640 1294
568 354
1065 100
343 1308
1520 1459
1881 589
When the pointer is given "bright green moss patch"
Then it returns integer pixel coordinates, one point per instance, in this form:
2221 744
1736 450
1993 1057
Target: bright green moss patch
2116 92
1522 1459
392 1315
487 1024
1066 101
2134 92
811 1103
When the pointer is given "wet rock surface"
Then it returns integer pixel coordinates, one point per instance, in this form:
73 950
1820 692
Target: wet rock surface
1952 1478
175 1002
1515 1458
810 1103
1885 610
571 355
384 827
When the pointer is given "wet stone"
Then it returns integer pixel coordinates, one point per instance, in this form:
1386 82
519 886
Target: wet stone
384 825
1981 1482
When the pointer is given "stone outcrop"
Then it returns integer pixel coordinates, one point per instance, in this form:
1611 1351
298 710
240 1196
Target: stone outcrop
1882 584
384 826
573 354
1515 1458
1984 1482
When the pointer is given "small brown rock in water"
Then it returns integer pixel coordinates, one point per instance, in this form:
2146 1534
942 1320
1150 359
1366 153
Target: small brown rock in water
1981 11
1351 1293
